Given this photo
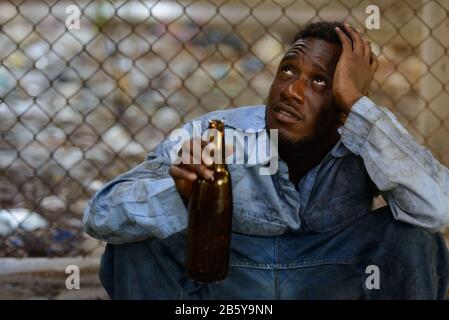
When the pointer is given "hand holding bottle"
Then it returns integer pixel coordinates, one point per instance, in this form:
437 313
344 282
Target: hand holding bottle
185 174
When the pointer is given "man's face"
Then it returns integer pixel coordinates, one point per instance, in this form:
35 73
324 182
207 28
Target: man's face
300 99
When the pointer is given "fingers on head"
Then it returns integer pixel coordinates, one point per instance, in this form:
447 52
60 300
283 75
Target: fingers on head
366 49
357 43
344 39
374 62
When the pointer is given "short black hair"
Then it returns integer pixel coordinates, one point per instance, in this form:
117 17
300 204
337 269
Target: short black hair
321 30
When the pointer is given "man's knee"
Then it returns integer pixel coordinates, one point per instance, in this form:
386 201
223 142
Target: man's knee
139 270
413 262
408 241
106 271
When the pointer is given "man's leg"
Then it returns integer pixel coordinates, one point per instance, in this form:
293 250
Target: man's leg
154 269
412 263
133 271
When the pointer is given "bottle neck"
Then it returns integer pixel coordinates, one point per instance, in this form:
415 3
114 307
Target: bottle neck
220 150
220 165
218 139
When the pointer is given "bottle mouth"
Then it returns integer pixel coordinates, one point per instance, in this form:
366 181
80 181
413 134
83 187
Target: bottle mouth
216 124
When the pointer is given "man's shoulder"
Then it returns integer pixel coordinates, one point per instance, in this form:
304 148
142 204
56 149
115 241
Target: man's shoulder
250 117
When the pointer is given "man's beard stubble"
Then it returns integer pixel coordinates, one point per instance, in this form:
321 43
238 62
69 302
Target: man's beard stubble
295 149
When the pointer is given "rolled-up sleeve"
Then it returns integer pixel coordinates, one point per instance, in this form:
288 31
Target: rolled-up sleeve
411 180
139 204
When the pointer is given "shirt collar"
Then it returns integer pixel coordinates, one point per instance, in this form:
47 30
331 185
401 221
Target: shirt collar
338 150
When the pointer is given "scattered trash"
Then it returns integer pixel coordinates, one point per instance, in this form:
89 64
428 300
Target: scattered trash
62 235
53 203
20 218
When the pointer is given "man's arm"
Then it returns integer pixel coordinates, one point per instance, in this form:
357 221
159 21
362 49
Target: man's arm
410 179
139 204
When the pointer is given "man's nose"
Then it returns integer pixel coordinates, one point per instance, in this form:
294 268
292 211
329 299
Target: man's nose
294 91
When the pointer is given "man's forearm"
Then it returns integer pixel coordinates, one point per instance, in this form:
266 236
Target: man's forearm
139 204
415 184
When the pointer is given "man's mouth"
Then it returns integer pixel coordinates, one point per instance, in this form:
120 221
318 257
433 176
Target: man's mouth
287 114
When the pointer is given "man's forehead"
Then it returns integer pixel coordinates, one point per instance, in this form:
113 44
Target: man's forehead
299 42
296 48
312 47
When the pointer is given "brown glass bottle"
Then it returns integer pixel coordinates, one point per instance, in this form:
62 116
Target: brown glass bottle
210 219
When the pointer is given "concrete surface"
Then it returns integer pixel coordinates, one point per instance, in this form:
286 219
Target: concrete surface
41 278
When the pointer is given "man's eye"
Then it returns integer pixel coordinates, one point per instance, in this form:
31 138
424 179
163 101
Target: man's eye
319 81
287 70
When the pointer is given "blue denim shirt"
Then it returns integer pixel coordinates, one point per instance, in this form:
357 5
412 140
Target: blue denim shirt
374 154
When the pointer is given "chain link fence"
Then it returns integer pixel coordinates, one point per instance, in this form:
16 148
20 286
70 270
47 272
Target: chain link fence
80 106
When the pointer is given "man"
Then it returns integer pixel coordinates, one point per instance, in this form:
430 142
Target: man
307 231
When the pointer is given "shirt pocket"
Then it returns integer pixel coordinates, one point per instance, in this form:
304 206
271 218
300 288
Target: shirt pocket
337 212
256 218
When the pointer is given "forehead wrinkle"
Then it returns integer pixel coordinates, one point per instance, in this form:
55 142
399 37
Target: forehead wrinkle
297 48
302 47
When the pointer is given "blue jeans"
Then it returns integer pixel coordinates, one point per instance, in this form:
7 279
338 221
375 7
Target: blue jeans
412 264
